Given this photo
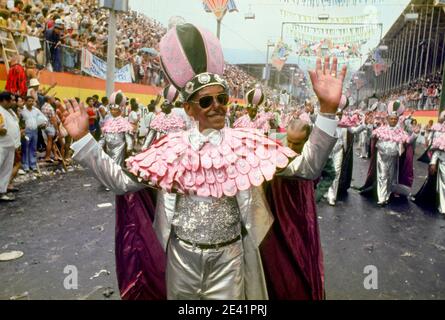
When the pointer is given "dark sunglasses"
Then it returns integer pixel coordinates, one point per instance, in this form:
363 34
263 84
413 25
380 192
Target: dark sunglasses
207 101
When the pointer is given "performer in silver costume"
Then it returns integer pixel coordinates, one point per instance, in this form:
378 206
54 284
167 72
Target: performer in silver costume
211 243
389 149
338 157
365 137
437 165
116 140
166 121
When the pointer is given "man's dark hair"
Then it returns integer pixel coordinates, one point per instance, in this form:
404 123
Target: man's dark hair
96 97
105 101
5 96
29 97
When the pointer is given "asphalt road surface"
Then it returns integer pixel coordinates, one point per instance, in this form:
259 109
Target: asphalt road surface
56 222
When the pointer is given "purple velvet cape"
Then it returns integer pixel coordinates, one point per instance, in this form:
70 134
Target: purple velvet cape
291 252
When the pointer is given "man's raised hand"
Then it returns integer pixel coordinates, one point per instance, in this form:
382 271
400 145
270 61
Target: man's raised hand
327 84
75 119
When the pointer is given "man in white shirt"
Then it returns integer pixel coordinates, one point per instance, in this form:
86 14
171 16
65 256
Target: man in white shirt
9 141
34 119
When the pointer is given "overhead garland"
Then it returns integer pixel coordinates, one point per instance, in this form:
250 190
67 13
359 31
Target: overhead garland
331 3
366 18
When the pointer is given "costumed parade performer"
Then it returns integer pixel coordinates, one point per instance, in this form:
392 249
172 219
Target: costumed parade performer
343 153
210 213
117 131
391 166
436 131
165 121
432 193
255 119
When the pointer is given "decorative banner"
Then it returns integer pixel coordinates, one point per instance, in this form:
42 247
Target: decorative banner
350 19
379 64
219 7
331 3
96 67
280 54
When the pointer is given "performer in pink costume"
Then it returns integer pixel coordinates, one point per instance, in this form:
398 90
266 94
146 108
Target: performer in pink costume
211 215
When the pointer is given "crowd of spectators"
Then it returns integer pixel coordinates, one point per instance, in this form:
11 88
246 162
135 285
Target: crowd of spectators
422 94
64 27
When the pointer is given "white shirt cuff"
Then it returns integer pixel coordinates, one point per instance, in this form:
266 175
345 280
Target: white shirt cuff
327 125
79 144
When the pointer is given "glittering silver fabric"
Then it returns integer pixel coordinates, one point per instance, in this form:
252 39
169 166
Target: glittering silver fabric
389 148
337 159
365 141
207 220
438 159
441 186
387 175
210 274
115 145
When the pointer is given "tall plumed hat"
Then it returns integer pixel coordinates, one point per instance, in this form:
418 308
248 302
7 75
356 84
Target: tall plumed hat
255 97
191 58
395 108
118 99
170 94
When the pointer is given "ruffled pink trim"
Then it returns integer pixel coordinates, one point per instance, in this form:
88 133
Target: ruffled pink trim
245 158
167 123
117 125
385 133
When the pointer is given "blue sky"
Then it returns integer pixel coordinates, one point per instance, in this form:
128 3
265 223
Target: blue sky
244 41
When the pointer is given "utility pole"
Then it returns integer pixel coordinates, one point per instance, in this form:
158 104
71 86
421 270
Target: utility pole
111 53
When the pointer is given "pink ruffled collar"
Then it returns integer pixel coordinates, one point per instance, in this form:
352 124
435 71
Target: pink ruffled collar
241 159
387 133
117 125
167 123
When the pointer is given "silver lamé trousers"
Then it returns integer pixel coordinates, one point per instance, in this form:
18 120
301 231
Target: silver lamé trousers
210 274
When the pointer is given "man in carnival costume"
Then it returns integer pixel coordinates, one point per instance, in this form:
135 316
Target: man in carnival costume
117 140
343 153
365 135
254 118
166 121
436 131
391 166
432 194
291 251
211 215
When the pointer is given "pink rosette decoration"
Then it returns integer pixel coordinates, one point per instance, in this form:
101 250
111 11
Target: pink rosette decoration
385 133
245 158
167 123
439 143
438 127
117 125
348 121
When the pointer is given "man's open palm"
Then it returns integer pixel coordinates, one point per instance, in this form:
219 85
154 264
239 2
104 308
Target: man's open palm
75 119
327 85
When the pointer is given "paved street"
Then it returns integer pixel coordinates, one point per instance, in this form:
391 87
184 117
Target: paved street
56 222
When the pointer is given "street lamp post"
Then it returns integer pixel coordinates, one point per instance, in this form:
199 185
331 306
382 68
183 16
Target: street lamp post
267 71
111 51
